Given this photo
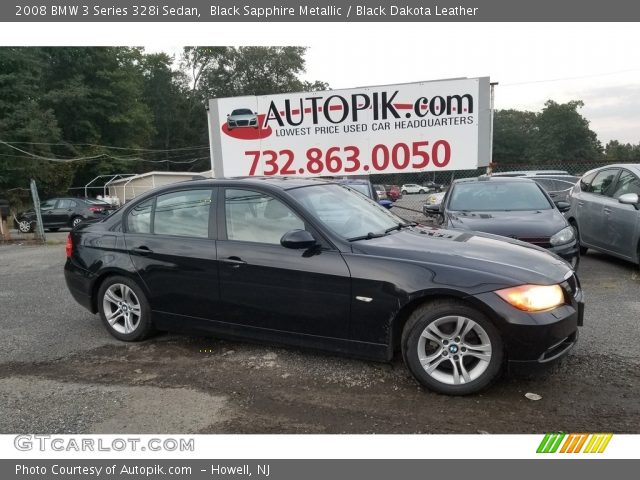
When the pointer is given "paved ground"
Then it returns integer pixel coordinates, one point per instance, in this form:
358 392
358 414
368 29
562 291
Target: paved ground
60 372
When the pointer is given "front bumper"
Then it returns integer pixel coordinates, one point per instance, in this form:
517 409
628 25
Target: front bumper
569 252
540 337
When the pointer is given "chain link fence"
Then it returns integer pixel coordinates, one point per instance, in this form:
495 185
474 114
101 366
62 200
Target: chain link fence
418 186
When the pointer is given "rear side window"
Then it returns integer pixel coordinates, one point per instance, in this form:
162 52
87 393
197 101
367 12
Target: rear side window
627 183
66 204
183 213
603 182
139 218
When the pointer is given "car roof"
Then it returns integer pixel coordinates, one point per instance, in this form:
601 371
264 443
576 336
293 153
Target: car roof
629 166
494 180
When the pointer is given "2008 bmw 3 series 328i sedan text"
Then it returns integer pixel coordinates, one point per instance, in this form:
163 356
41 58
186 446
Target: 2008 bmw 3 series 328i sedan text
311 263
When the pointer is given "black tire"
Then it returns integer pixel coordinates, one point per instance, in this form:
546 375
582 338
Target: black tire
421 191
574 225
481 372
143 327
404 192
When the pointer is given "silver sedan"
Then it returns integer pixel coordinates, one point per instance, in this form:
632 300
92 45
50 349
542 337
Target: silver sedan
605 211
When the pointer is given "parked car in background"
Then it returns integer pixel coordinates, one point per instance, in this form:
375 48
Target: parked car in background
64 212
381 192
393 192
433 186
512 207
605 211
413 188
366 188
310 263
431 207
557 186
529 173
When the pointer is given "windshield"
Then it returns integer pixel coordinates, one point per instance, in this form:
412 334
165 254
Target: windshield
242 111
498 196
346 212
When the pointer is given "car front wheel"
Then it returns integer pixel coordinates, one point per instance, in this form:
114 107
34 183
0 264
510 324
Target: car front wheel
576 232
124 309
76 221
452 348
25 226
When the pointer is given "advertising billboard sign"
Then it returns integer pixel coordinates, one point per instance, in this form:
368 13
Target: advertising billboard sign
413 127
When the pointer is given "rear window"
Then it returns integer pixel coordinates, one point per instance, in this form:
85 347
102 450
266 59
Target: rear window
498 196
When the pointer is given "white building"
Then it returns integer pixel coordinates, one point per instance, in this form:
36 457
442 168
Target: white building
125 189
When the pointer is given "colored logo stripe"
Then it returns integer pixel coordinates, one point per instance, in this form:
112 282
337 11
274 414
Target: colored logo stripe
574 442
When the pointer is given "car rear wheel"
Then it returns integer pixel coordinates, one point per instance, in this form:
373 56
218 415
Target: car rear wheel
124 309
404 192
452 348
421 191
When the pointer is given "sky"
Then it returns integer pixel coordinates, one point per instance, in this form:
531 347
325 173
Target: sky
598 63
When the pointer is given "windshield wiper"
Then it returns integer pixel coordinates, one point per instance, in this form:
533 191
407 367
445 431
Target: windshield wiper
368 236
400 226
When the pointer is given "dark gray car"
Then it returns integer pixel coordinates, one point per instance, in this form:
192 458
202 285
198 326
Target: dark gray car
604 211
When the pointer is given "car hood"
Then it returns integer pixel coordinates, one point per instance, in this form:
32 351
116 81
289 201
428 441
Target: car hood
506 261
520 224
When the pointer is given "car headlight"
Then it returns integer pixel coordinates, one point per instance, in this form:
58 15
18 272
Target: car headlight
533 298
565 235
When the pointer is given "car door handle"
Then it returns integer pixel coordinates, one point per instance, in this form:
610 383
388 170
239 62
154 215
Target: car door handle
234 261
607 211
143 250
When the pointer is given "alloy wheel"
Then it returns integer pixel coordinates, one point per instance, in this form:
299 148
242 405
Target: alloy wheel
454 350
122 308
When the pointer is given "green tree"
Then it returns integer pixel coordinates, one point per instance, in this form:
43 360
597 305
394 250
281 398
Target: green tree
513 133
563 134
622 152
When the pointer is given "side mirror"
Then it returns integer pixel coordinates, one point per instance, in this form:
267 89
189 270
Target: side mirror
563 206
297 239
255 113
629 199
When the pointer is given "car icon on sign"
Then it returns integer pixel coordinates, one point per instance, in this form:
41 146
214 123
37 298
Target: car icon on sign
242 118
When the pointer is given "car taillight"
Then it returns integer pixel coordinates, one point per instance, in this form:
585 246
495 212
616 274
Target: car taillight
69 245
96 209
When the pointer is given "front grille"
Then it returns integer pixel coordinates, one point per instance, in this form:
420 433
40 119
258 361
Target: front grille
543 242
243 123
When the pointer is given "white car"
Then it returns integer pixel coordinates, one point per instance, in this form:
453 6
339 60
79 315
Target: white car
413 188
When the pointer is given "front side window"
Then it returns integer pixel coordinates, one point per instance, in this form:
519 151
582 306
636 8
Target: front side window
48 205
627 183
184 213
139 218
256 217
603 182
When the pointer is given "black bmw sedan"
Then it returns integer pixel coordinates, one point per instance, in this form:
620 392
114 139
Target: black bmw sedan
513 207
310 263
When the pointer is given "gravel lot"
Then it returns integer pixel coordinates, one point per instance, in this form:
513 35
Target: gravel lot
60 372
